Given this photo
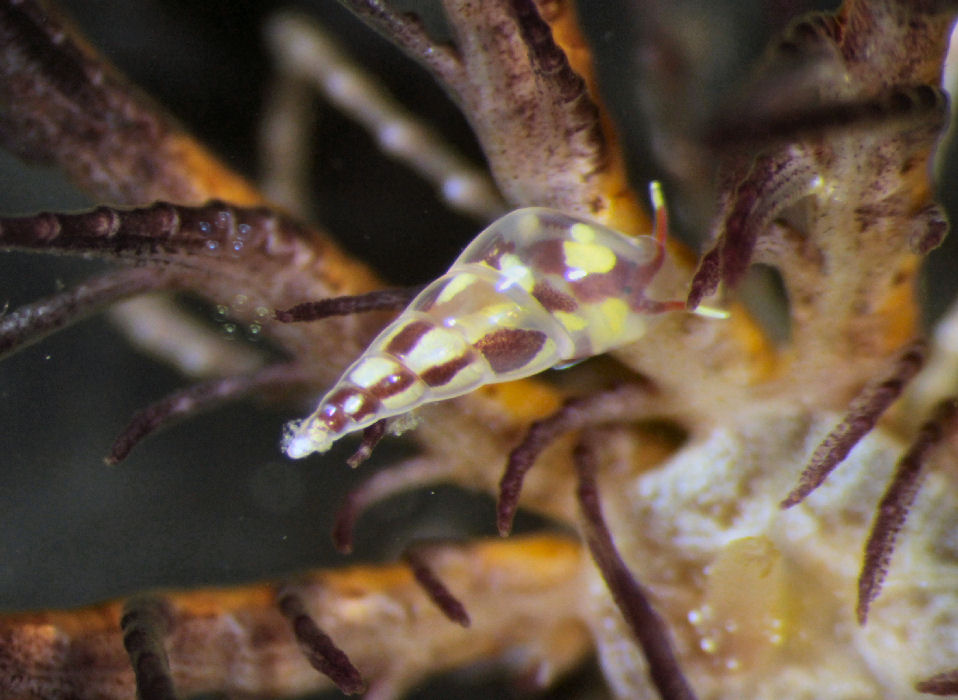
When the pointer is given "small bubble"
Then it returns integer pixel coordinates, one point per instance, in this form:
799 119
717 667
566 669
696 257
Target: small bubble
708 645
229 328
212 246
237 246
204 227
244 229
222 311
262 312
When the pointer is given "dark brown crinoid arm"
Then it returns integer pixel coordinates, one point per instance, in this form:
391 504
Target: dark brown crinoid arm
213 237
893 509
247 639
617 405
861 418
144 626
646 625
942 684
65 105
834 196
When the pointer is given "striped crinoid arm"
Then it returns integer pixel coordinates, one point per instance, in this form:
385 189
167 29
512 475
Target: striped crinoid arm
375 628
217 250
65 105
523 74
519 51
834 190
249 261
210 249
704 424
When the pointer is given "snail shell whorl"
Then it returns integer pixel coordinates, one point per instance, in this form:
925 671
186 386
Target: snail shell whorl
535 289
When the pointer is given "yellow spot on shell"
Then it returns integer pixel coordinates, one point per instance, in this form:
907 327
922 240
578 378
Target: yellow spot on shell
582 233
588 257
457 284
571 321
514 270
615 312
436 347
503 315
404 399
371 370
528 225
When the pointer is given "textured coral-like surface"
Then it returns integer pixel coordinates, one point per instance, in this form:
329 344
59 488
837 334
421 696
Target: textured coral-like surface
816 165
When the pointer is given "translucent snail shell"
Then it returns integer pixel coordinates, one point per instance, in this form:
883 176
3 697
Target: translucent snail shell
536 289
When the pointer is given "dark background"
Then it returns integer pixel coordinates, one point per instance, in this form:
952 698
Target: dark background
211 501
